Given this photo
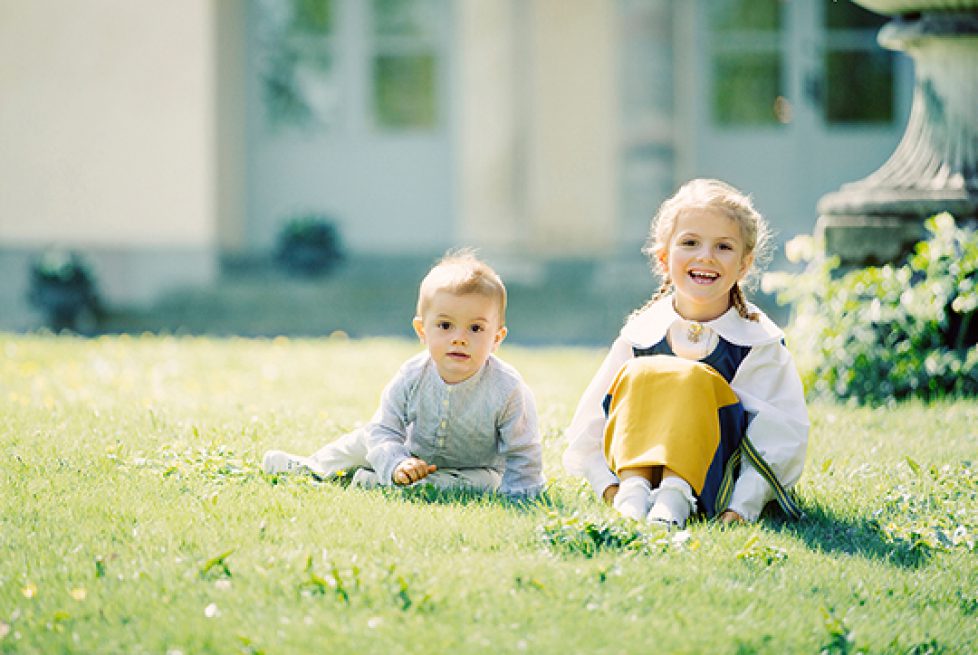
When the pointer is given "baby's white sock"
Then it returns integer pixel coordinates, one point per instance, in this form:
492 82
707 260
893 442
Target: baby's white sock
672 502
634 497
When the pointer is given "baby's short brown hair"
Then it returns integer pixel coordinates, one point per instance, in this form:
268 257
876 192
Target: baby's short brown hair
462 272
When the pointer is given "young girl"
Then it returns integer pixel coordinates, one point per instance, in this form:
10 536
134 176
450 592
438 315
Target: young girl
699 380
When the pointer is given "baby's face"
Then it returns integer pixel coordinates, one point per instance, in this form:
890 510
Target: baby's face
460 331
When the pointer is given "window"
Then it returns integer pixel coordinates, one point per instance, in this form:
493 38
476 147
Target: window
746 55
404 63
379 57
299 64
858 72
761 49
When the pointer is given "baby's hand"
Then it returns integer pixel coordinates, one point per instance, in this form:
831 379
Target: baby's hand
411 470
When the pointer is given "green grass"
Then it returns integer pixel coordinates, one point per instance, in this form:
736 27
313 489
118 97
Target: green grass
134 518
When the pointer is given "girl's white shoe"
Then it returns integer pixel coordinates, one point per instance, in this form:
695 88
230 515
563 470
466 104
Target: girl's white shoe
672 503
634 498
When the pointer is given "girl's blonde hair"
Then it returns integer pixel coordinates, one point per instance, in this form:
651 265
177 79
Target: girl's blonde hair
717 196
461 272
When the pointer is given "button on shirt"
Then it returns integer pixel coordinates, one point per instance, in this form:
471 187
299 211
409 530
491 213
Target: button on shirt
486 421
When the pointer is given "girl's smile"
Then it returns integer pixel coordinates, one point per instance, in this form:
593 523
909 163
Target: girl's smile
703 277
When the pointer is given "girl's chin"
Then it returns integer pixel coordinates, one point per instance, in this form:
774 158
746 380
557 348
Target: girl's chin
706 308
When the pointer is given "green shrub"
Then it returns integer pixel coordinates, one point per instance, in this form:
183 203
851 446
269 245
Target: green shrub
63 287
309 246
879 334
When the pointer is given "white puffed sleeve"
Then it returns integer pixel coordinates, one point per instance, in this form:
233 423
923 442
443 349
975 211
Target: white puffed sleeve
584 455
769 388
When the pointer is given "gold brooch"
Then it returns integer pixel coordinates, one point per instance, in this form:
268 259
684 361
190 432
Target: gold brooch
695 331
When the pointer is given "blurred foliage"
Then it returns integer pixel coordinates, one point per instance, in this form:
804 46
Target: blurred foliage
309 245
64 289
879 334
297 63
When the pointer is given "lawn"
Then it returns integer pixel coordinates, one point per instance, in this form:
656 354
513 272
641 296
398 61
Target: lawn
134 518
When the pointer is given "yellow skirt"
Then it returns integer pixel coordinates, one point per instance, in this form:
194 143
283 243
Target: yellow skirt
663 411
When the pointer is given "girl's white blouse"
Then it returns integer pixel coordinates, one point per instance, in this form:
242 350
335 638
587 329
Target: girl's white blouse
766 383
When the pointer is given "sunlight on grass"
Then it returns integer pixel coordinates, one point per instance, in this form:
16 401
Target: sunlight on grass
134 517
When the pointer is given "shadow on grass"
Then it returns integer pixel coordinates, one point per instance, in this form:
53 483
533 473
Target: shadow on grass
429 494
823 530
548 500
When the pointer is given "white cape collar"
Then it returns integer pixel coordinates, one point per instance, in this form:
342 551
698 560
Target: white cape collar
650 325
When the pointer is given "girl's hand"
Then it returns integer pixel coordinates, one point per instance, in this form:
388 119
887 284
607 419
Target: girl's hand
730 516
411 470
609 493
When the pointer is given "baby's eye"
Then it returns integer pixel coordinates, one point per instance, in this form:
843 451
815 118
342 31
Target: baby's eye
688 242
443 325
477 328
725 246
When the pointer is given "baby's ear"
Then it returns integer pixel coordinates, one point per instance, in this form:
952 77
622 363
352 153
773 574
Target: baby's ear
500 335
418 326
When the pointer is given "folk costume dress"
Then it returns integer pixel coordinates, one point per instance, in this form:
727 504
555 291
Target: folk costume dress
684 394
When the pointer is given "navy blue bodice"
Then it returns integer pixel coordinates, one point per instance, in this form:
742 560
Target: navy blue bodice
725 358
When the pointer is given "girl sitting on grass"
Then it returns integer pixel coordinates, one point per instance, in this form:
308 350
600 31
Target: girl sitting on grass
698 381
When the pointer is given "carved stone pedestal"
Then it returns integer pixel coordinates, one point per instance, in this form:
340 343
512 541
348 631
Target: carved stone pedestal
935 166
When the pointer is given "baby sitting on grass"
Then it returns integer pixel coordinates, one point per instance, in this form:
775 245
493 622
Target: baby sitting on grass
454 416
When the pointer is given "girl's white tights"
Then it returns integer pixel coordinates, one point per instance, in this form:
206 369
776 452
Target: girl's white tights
634 498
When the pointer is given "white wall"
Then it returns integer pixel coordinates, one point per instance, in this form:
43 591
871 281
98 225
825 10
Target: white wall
109 125
573 131
538 126
490 125
106 122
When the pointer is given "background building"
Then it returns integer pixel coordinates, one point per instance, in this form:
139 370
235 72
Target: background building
169 141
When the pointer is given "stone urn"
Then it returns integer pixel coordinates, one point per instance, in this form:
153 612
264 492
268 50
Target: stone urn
935 166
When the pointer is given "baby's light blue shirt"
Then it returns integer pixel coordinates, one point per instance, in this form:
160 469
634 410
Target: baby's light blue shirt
486 421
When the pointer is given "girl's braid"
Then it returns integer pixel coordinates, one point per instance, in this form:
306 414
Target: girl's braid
664 289
738 300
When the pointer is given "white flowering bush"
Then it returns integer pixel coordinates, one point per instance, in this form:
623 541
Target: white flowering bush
879 334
